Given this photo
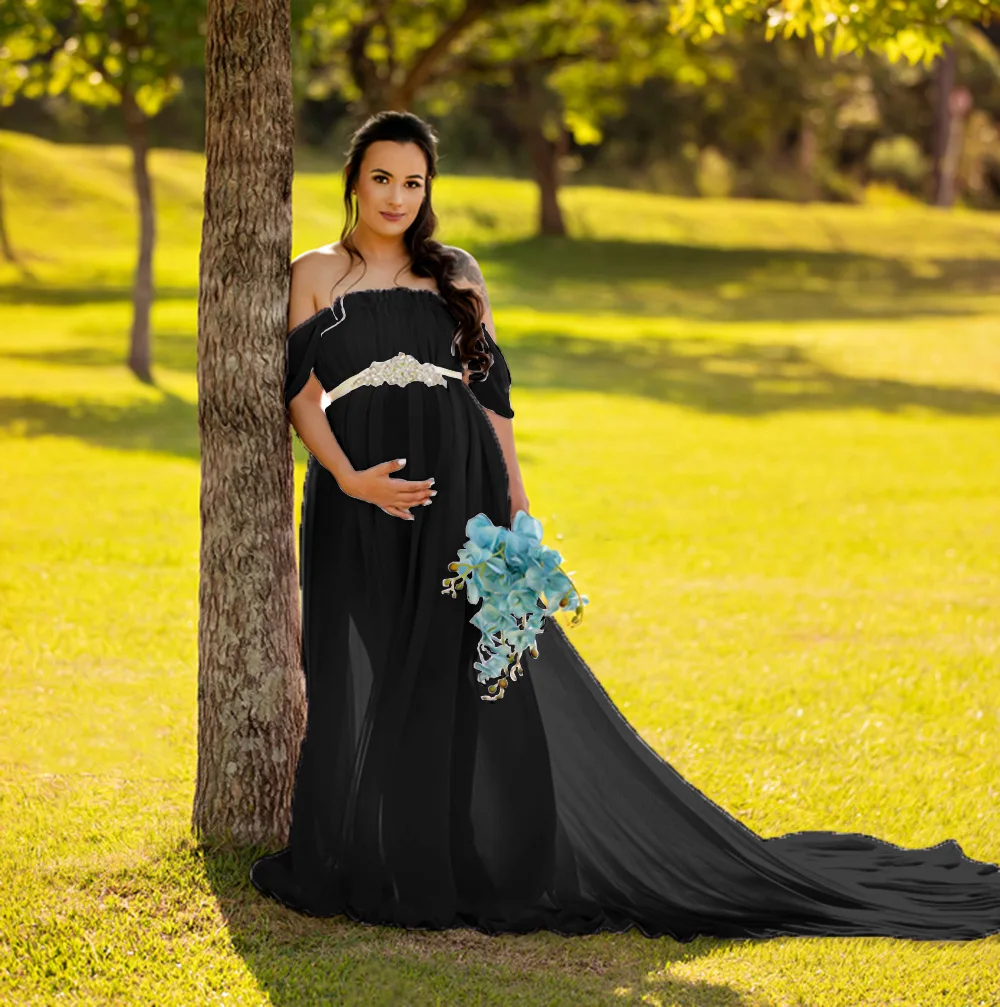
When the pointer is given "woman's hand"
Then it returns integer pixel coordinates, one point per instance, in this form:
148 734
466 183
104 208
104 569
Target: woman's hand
518 501
394 496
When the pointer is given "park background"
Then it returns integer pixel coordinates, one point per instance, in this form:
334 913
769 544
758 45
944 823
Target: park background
750 298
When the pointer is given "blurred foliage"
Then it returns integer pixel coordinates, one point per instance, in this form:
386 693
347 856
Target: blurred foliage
95 51
914 30
592 52
632 94
713 174
900 160
794 125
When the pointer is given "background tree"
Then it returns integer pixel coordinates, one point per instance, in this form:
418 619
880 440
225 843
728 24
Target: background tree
912 30
577 72
127 53
565 65
953 102
6 245
568 67
381 56
25 31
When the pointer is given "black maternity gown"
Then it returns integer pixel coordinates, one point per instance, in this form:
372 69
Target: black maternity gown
417 804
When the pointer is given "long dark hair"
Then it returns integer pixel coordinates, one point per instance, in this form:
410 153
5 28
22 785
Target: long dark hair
428 257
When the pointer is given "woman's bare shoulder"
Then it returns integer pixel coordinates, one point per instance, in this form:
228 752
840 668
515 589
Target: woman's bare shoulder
315 273
320 259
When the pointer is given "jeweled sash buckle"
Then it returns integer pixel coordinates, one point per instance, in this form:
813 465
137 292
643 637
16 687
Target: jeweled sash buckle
398 370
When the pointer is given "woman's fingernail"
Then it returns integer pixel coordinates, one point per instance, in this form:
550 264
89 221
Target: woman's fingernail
434 493
432 480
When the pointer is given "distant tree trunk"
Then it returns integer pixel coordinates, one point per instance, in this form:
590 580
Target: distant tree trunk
952 106
5 245
544 152
807 156
251 697
140 355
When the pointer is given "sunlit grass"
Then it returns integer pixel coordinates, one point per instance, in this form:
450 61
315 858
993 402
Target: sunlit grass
765 438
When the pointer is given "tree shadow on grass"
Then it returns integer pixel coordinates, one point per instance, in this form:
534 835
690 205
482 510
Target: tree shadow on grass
173 351
48 296
697 282
297 960
724 376
712 376
732 284
168 426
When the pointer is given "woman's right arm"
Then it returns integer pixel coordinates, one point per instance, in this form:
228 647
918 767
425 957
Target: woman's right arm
306 410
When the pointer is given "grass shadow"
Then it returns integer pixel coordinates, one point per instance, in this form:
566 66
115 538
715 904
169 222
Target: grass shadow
298 960
708 375
49 296
168 426
722 376
174 351
698 282
732 285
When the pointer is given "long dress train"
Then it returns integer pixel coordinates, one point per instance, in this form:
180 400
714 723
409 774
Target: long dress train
417 804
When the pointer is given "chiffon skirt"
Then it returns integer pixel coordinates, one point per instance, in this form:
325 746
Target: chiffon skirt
419 805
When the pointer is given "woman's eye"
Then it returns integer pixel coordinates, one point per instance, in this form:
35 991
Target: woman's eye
383 178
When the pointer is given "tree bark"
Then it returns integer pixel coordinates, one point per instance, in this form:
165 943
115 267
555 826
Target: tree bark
807 156
952 107
543 152
5 246
251 696
140 355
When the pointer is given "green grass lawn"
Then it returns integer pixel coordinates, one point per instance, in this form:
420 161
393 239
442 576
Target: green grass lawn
767 439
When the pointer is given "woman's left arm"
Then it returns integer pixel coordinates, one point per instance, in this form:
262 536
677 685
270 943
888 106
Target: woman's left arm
503 425
505 434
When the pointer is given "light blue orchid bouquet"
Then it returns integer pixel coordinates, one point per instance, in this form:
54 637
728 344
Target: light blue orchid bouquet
519 581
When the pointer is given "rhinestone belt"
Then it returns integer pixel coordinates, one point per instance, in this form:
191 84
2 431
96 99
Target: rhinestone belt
398 370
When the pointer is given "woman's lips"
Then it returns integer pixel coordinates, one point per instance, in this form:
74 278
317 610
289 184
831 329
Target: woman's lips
392 216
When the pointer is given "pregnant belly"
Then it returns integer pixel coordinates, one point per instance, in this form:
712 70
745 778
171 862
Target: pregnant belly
377 424
441 432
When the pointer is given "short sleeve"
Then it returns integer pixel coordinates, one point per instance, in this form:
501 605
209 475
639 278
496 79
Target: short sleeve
494 391
300 356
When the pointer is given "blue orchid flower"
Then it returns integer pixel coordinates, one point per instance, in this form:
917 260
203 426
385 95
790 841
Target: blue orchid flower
481 531
519 582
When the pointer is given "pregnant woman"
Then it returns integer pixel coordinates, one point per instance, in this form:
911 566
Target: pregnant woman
419 805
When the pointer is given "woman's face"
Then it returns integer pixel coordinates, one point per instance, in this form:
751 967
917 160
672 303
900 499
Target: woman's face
391 186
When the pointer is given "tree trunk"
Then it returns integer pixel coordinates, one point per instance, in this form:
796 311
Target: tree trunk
251 696
807 157
952 107
140 356
544 153
5 246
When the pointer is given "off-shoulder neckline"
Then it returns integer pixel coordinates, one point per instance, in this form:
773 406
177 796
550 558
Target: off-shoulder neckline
366 290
